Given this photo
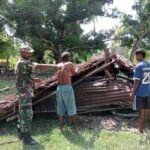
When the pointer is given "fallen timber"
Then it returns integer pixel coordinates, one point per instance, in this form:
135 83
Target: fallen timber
93 91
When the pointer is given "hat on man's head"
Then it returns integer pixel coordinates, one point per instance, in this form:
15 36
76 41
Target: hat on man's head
27 49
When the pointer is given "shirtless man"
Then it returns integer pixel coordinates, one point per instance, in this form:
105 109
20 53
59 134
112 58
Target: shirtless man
65 95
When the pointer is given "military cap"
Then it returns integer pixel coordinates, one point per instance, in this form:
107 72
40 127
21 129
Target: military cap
26 48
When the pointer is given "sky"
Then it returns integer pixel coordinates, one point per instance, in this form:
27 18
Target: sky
108 23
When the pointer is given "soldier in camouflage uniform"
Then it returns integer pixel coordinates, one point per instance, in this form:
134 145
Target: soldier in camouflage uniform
25 90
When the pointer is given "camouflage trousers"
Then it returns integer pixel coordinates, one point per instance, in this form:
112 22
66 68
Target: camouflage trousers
25 112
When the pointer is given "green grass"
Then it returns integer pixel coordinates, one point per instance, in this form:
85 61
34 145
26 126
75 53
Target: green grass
10 82
7 83
47 133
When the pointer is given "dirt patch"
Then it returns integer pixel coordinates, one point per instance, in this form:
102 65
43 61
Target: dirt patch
109 122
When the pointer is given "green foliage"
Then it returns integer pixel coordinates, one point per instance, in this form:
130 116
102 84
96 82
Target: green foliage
82 56
2 18
6 43
48 57
55 24
146 42
6 46
124 51
7 83
134 32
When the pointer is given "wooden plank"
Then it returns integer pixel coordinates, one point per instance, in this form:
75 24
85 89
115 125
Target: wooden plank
101 68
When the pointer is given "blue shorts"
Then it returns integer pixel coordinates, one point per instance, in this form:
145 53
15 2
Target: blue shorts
65 100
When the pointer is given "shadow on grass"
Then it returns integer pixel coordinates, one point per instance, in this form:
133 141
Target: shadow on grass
78 139
33 147
41 126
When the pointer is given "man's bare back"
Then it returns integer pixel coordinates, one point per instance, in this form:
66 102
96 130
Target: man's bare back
64 74
65 95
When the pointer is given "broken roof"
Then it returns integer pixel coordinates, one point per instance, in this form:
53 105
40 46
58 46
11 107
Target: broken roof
103 95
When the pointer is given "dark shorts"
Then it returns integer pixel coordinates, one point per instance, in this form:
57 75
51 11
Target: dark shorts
141 102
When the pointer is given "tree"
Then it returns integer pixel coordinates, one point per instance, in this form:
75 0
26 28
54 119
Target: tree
1 15
6 43
55 24
6 46
135 32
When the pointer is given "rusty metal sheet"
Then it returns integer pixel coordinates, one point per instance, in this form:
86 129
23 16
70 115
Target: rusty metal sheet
92 90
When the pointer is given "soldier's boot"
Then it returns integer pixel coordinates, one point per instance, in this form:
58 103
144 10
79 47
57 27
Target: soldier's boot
19 134
28 140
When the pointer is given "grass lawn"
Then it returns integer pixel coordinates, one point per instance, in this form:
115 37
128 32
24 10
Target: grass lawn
7 83
10 82
46 131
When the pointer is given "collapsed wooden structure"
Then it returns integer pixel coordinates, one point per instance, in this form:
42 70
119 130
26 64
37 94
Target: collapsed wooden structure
94 92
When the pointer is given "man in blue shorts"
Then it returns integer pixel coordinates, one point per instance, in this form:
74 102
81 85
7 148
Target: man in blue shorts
65 95
141 88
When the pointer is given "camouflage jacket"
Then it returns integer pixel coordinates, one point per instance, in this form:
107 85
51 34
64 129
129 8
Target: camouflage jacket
24 78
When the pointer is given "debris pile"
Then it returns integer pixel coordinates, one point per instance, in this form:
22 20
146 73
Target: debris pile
93 90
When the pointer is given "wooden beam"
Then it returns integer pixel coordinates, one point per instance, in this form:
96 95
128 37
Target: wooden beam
101 68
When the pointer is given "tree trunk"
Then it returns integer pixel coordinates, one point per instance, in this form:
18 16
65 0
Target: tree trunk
7 65
137 43
57 53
